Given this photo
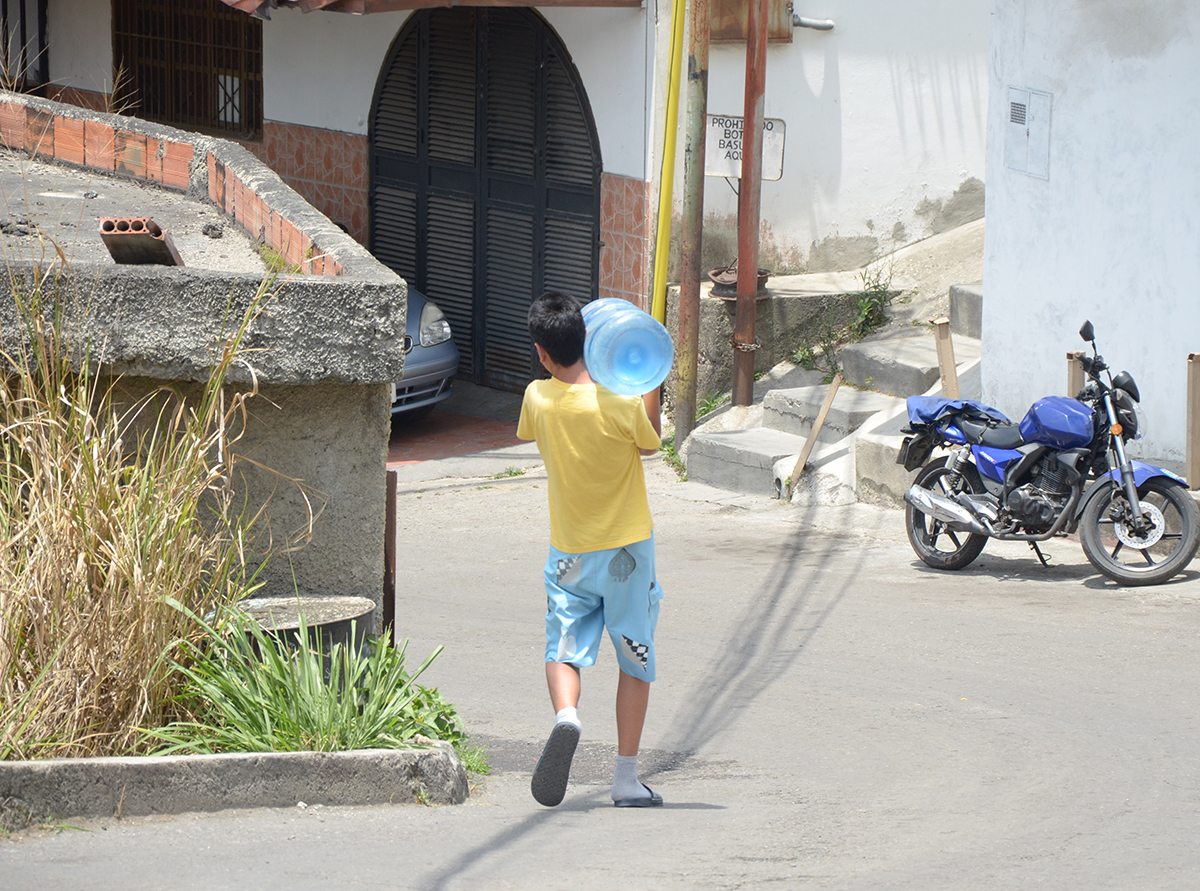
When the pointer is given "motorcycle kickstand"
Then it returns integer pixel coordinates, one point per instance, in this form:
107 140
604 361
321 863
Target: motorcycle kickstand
1045 560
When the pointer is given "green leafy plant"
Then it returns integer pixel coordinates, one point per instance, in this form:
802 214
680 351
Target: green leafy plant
507 472
251 691
822 356
672 458
873 301
710 402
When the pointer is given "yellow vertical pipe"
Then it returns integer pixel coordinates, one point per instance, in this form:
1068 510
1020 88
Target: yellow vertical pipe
662 243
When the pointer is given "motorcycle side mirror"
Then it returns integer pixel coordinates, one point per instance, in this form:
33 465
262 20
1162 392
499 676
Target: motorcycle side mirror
1087 332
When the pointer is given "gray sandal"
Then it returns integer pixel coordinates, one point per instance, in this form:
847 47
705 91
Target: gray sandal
553 768
655 800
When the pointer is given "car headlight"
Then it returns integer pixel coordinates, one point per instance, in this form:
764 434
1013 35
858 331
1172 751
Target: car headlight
434 327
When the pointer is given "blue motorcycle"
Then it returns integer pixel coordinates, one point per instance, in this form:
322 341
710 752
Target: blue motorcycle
1064 467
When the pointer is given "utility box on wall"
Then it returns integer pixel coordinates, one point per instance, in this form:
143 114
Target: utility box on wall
729 18
1027 133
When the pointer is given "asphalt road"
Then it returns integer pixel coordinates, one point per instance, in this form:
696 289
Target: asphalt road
829 714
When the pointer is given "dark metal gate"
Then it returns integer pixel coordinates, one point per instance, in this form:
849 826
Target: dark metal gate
485 177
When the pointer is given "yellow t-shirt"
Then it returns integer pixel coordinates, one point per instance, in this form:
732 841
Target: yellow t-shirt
589 438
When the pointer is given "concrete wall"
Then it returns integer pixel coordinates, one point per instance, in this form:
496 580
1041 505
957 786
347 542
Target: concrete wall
885 121
1110 234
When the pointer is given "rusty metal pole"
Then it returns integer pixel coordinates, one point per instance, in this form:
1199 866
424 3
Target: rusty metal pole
688 339
749 203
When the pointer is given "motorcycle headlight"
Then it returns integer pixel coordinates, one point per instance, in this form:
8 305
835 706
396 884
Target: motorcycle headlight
1139 422
434 327
1130 416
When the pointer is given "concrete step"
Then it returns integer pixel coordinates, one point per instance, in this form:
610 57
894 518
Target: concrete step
740 460
878 479
901 366
795 410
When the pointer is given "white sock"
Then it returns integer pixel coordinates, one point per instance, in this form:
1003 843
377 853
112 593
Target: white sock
625 780
568 714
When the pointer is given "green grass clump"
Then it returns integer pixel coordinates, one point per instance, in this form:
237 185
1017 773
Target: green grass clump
248 690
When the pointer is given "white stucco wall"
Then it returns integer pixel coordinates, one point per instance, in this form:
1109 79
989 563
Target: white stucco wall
320 69
1112 234
79 34
606 45
882 113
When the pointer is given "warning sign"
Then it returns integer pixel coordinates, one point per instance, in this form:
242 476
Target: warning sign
723 147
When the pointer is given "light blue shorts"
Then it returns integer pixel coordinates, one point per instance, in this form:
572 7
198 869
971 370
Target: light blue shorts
614 589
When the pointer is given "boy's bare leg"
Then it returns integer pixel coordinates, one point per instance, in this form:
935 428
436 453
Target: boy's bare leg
633 695
563 681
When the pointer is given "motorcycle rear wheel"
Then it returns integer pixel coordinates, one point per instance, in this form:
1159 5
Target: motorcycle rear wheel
1176 517
936 543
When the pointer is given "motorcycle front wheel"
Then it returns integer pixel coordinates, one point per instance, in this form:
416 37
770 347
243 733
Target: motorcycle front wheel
935 543
1146 557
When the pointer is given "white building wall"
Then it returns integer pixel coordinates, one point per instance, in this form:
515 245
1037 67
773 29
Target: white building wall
606 45
1112 233
320 69
79 33
883 113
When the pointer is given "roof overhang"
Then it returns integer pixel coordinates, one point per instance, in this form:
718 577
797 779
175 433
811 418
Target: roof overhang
262 8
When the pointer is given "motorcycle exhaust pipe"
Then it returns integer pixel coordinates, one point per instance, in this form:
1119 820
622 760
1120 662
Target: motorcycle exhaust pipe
941 508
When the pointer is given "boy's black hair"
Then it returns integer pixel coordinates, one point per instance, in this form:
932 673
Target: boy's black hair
556 325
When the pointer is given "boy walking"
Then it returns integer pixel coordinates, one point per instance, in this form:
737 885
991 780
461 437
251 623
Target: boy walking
600 572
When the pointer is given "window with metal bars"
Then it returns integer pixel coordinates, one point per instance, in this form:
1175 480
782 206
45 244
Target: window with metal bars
24 62
195 64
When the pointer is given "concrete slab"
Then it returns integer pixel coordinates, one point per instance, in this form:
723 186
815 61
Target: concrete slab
900 367
32 791
795 410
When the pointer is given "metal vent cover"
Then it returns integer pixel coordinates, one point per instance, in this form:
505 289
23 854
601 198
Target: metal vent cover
1016 112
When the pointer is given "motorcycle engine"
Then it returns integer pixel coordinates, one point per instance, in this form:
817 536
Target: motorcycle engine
1037 504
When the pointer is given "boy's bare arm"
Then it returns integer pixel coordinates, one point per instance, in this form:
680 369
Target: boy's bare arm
654 413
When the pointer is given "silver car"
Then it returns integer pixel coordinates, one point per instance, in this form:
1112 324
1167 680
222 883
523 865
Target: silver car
430 360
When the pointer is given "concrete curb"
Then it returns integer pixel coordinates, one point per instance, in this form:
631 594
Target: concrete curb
38 791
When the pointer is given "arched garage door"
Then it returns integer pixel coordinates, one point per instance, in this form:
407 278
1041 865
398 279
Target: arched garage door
485 177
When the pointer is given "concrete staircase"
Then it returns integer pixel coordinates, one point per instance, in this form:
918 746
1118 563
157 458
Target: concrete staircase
753 450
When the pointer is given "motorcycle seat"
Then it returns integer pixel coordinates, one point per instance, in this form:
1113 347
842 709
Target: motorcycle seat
1006 435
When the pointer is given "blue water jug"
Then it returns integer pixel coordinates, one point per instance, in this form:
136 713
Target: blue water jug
626 350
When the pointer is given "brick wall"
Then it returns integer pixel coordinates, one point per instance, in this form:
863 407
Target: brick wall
152 153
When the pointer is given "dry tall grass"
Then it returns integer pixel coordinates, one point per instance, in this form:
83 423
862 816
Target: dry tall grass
105 512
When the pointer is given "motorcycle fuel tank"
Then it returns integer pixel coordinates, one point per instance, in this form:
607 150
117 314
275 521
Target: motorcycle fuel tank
1058 422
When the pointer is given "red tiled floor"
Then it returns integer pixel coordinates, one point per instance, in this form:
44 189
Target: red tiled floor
444 434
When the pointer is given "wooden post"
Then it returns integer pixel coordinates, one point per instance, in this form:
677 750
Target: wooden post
1193 420
945 352
1074 372
812 435
389 559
